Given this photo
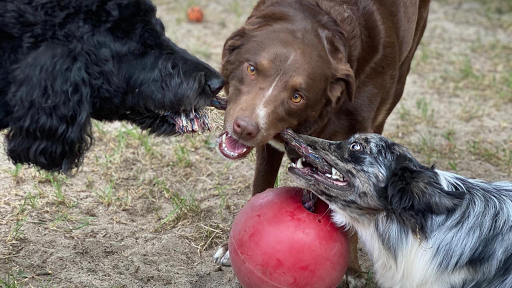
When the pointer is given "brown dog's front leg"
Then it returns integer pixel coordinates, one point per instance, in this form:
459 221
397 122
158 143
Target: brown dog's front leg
268 161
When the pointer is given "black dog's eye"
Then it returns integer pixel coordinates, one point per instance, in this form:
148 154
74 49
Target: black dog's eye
355 146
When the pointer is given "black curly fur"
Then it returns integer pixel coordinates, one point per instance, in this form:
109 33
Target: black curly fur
64 62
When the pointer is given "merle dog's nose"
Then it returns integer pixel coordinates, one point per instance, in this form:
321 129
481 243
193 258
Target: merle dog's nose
245 129
215 84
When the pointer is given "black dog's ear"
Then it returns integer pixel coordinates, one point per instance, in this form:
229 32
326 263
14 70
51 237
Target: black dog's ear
50 125
415 194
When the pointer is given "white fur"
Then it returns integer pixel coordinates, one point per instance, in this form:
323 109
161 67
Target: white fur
261 110
276 144
413 268
416 265
221 257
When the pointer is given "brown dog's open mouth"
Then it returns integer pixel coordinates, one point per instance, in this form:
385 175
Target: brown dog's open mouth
231 148
307 163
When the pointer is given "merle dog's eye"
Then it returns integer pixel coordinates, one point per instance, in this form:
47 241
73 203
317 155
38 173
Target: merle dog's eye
355 146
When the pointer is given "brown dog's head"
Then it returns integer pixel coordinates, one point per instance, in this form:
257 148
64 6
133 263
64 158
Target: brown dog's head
286 67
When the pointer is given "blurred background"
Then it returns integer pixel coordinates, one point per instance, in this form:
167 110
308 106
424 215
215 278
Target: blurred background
150 212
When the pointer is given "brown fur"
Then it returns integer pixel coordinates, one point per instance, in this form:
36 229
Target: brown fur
349 59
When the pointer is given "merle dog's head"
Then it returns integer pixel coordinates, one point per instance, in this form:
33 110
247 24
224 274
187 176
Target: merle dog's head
107 60
369 175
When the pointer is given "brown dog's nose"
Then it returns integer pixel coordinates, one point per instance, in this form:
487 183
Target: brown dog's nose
245 129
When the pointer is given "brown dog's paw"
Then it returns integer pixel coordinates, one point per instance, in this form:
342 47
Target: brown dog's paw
221 257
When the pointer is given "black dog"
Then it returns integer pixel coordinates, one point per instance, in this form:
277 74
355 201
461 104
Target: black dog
63 62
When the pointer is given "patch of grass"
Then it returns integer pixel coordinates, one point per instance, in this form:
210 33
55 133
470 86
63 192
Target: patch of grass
448 135
487 151
471 111
16 171
467 71
211 236
426 110
276 183
404 113
63 216
497 6
427 148
59 195
12 280
84 222
15 234
99 127
182 155
236 9
452 165
183 207
142 137
224 204
370 280
108 195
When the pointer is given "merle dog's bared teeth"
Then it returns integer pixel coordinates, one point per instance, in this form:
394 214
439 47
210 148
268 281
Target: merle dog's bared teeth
305 151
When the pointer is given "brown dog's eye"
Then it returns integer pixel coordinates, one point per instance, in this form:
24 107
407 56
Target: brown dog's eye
355 146
296 98
251 70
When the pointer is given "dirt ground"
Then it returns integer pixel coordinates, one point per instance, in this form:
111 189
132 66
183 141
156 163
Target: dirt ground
149 212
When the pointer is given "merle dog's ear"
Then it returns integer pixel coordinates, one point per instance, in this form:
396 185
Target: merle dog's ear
50 99
415 194
343 83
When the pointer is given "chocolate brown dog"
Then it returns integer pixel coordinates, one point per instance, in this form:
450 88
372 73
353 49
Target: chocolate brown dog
325 68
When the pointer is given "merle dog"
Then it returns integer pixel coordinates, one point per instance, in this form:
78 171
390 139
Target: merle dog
422 227
64 62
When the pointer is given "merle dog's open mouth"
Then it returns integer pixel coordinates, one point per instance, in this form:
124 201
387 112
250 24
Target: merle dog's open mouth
309 164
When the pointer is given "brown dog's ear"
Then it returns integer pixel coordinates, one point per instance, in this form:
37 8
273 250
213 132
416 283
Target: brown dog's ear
233 43
343 77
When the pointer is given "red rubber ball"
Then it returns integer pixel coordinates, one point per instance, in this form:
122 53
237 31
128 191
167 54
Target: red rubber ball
276 242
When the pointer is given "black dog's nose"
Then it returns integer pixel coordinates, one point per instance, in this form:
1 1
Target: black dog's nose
215 84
